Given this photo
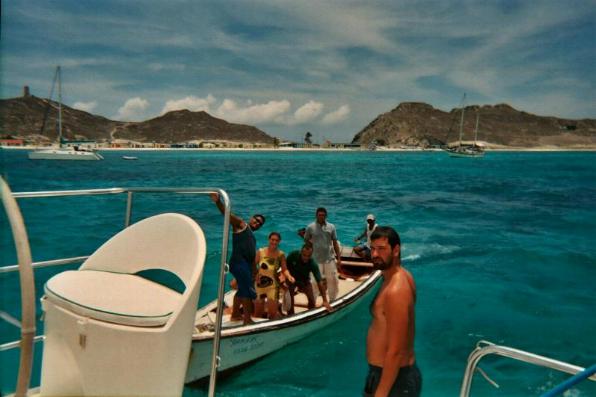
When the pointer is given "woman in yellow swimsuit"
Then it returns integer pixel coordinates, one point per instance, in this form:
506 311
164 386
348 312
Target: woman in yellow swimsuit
270 262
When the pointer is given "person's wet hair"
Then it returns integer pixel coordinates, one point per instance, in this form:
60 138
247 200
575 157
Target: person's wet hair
321 209
275 234
307 246
389 233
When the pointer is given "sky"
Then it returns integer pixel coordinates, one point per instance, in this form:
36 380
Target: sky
288 67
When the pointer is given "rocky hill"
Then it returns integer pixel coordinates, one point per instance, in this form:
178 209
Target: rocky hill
421 125
24 117
184 125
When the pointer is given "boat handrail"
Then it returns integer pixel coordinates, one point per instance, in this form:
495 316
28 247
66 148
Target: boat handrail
27 284
129 207
53 262
484 348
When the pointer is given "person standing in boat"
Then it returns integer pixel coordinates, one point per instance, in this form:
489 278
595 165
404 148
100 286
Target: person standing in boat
390 339
363 250
301 265
271 269
244 246
323 237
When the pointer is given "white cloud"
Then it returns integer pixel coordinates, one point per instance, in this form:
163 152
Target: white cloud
191 103
338 115
172 67
307 112
271 111
132 110
85 106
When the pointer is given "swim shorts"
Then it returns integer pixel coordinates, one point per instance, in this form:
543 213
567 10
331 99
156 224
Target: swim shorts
243 275
408 382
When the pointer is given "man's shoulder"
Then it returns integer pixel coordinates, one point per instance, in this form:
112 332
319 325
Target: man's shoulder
292 256
401 284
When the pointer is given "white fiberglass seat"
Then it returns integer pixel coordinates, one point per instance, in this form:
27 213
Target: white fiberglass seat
110 331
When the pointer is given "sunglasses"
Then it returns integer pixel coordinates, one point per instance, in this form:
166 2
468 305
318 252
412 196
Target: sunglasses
259 222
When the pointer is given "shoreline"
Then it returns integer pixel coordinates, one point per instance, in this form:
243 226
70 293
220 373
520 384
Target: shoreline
549 148
285 149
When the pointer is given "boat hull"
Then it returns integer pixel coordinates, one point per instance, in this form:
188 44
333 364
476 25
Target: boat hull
58 154
463 154
244 344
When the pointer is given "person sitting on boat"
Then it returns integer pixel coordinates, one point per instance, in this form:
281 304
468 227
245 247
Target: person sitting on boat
244 246
363 250
270 261
301 265
326 252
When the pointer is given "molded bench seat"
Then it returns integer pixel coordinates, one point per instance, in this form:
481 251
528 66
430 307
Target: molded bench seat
119 298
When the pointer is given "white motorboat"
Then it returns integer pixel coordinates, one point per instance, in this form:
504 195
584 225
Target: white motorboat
62 152
241 344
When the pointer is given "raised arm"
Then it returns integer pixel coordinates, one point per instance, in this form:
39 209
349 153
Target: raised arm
237 222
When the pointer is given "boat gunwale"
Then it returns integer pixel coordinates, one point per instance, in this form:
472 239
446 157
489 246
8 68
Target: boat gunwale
296 319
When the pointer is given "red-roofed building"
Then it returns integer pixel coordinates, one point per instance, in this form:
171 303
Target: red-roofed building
12 142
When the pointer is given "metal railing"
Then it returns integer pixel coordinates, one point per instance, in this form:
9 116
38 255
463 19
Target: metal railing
484 348
131 192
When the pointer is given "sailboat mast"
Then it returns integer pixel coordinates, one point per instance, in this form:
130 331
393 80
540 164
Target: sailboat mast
59 106
461 122
476 129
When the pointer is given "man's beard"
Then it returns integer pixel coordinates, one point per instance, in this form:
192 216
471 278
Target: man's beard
380 263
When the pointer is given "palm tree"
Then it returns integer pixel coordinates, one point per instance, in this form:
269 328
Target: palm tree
307 137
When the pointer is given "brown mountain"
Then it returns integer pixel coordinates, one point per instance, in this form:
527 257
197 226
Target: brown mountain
184 125
24 117
419 124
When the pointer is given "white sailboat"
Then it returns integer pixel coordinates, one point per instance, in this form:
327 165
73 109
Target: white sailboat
461 149
62 153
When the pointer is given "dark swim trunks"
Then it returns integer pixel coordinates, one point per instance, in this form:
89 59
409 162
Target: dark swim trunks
243 275
408 382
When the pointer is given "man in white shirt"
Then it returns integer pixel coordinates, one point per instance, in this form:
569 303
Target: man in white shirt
323 236
363 250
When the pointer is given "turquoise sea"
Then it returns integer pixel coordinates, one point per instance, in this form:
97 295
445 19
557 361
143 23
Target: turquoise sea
502 248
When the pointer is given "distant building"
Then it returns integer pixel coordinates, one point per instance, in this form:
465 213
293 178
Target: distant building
125 143
83 144
12 142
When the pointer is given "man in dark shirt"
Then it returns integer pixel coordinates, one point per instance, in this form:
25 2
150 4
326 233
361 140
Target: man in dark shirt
242 260
301 265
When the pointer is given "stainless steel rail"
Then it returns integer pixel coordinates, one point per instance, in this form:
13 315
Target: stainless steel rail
484 348
131 192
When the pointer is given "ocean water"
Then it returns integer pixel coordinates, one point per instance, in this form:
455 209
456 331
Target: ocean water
502 248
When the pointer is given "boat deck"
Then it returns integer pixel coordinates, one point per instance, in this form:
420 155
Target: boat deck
205 317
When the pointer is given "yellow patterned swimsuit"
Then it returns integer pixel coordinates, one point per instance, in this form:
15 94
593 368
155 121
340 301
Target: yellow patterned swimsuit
267 275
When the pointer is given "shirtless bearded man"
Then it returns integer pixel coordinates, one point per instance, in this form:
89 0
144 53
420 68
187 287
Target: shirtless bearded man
390 339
